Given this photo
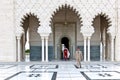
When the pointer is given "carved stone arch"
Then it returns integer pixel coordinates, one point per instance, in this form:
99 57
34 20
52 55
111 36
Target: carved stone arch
74 27
105 16
25 23
104 38
27 15
109 20
68 6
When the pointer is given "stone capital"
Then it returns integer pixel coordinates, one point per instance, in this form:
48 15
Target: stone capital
46 37
44 31
18 37
42 37
85 37
87 30
19 31
111 32
89 37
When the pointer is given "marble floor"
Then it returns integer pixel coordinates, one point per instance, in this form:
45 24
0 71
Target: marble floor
61 70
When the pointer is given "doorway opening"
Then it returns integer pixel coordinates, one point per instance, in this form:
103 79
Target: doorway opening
64 41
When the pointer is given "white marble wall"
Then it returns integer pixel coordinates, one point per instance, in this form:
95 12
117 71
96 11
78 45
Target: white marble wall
87 9
7 35
117 43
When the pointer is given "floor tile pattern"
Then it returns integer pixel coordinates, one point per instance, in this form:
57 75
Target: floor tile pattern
60 71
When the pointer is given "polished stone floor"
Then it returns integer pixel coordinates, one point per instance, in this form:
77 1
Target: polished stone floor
60 70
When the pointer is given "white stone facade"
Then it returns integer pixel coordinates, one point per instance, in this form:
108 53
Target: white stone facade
7 31
14 12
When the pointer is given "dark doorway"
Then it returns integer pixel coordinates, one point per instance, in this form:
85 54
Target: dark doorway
64 41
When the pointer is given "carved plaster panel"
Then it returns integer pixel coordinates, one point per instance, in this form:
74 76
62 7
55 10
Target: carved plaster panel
44 9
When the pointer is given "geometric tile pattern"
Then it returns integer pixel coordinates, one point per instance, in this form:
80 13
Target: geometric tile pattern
102 75
61 71
38 66
33 76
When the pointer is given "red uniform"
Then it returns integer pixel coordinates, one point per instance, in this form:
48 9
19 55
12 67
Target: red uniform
65 53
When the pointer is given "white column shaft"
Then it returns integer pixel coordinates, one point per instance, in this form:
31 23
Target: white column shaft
88 49
112 49
19 49
46 49
84 49
101 51
43 49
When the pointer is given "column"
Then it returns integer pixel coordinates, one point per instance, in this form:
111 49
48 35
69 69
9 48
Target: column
112 49
42 49
18 42
19 31
117 47
44 31
46 41
71 52
104 48
88 48
101 51
58 49
85 48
